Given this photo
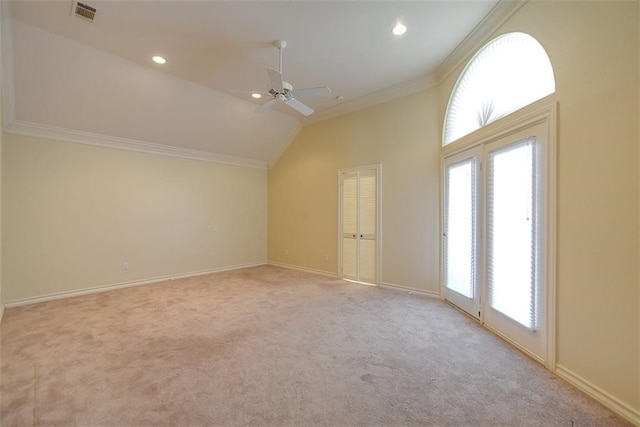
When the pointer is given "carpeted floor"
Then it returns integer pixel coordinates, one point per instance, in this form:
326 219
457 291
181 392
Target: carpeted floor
270 346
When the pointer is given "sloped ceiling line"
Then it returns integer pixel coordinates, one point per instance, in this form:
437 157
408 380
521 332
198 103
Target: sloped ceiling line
502 11
19 127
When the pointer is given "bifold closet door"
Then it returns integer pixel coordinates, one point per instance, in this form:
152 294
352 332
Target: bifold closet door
359 222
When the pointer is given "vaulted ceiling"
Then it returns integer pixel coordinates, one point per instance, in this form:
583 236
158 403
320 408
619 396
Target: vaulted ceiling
94 81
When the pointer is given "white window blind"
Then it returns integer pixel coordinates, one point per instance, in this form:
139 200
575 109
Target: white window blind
512 260
509 73
459 227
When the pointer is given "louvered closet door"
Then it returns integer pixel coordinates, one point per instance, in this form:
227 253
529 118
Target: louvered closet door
359 222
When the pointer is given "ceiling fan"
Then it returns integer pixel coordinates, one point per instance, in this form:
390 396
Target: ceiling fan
283 92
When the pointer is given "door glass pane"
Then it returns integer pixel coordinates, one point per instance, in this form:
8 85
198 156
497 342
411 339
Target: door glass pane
459 241
511 232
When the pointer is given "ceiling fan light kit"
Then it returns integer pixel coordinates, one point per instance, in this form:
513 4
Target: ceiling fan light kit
283 92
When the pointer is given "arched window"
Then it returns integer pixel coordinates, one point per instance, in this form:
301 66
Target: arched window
508 73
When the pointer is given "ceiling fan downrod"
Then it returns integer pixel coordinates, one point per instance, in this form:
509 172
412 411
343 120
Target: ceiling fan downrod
280 44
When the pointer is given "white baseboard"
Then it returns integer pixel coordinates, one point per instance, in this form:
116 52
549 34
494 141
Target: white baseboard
114 286
409 289
620 408
307 270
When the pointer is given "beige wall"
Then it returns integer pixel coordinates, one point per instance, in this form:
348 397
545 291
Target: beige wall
1 149
403 136
1 130
593 47
73 214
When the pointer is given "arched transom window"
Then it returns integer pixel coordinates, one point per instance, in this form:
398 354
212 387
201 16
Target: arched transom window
508 73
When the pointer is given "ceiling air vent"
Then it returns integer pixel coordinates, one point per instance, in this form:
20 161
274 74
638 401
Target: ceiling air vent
83 10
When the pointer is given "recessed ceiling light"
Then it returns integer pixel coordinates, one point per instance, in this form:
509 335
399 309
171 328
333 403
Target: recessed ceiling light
256 95
159 60
399 29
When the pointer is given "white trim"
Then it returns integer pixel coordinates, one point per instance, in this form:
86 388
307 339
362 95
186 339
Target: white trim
537 112
515 344
1 311
20 127
305 269
114 286
595 392
501 13
411 290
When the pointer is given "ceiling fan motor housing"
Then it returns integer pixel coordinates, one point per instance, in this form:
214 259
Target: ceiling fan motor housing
285 95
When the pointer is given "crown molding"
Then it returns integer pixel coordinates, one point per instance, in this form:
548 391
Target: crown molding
80 137
504 10
501 12
478 37
20 127
403 89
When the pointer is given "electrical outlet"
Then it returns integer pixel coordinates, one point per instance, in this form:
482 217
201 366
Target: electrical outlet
326 258
286 252
215 228
210 255
125 266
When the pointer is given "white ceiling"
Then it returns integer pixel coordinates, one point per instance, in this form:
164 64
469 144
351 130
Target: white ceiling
226 45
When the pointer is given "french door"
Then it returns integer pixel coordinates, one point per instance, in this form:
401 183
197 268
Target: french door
359 224
495 236
461 232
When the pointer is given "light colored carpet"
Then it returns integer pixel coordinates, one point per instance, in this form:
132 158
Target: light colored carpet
270 346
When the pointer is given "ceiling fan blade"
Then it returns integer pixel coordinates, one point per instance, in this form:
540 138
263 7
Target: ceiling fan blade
312 92
265 106
276 79
299 106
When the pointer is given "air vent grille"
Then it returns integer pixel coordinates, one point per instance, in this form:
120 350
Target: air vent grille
84 11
